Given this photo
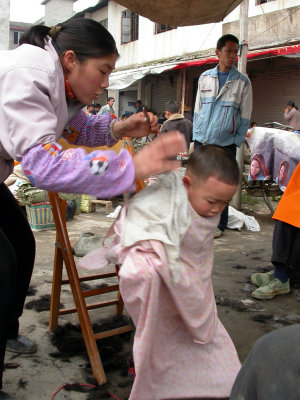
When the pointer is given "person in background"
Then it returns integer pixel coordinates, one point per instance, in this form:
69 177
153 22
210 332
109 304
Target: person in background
97 107
108 108
124 116
90 109
177 122
286 244
138 106
59 70
292 116
223 105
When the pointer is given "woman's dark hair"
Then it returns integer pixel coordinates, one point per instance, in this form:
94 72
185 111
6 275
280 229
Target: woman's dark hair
86 37
214 161
292 104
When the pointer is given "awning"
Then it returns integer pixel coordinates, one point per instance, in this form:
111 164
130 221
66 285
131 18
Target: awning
273 52
181 12
122 79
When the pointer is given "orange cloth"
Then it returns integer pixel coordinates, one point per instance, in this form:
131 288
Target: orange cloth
139 183
288 209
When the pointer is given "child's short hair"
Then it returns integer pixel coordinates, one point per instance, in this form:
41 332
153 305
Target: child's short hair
171 106
214 161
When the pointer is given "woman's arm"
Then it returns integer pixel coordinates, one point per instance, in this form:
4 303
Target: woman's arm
104 130
103 174
100 173
289 113
90 130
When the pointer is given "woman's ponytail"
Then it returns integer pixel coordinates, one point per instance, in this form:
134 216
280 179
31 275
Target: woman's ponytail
35 36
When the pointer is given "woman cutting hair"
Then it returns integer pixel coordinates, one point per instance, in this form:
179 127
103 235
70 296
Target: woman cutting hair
44 84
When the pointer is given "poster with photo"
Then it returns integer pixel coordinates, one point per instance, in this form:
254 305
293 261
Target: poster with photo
274 154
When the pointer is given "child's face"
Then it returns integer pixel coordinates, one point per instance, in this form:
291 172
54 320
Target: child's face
208 198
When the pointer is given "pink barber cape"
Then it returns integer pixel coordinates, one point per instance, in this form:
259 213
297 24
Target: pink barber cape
181 349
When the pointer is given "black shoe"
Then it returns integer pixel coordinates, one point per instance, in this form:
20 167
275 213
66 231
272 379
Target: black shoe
6 396
21 344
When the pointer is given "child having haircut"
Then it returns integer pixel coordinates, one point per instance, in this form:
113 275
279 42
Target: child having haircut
164 243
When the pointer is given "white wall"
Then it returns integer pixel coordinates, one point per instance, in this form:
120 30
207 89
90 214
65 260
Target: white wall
99 15
4 24
57 11
163 45
177 42
254 10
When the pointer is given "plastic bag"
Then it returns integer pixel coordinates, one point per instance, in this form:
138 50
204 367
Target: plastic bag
237 219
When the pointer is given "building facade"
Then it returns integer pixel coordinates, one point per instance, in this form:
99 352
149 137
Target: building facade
158 63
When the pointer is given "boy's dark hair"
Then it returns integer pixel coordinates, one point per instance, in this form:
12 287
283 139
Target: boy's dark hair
226 38
252 124
86 37
110 98
97 105
171 106
214 161
90 105
291 103
139 102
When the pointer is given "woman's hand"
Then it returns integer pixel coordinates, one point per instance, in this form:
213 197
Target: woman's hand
160 155
137 125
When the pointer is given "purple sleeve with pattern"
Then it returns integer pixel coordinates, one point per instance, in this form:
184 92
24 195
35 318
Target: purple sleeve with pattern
103 174
89 130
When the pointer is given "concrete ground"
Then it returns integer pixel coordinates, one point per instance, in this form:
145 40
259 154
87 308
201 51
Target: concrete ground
237 255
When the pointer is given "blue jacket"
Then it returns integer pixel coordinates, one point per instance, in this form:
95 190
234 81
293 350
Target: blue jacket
222 118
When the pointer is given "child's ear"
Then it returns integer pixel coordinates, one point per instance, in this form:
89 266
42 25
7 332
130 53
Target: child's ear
186 181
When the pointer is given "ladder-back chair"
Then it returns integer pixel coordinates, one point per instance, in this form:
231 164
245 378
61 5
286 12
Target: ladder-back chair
64 255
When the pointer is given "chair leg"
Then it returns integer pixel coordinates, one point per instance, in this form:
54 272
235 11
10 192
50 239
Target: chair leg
120 305
85 323
91 347
56 289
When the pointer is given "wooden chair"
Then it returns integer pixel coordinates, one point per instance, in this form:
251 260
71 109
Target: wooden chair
64 255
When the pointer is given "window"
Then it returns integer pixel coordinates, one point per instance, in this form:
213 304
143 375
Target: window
130 26
159 28
104 23
259 2
16 36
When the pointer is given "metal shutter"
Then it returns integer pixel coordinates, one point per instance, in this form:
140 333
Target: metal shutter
163 89
271 91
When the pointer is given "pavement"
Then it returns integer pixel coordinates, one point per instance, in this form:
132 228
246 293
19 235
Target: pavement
41 376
